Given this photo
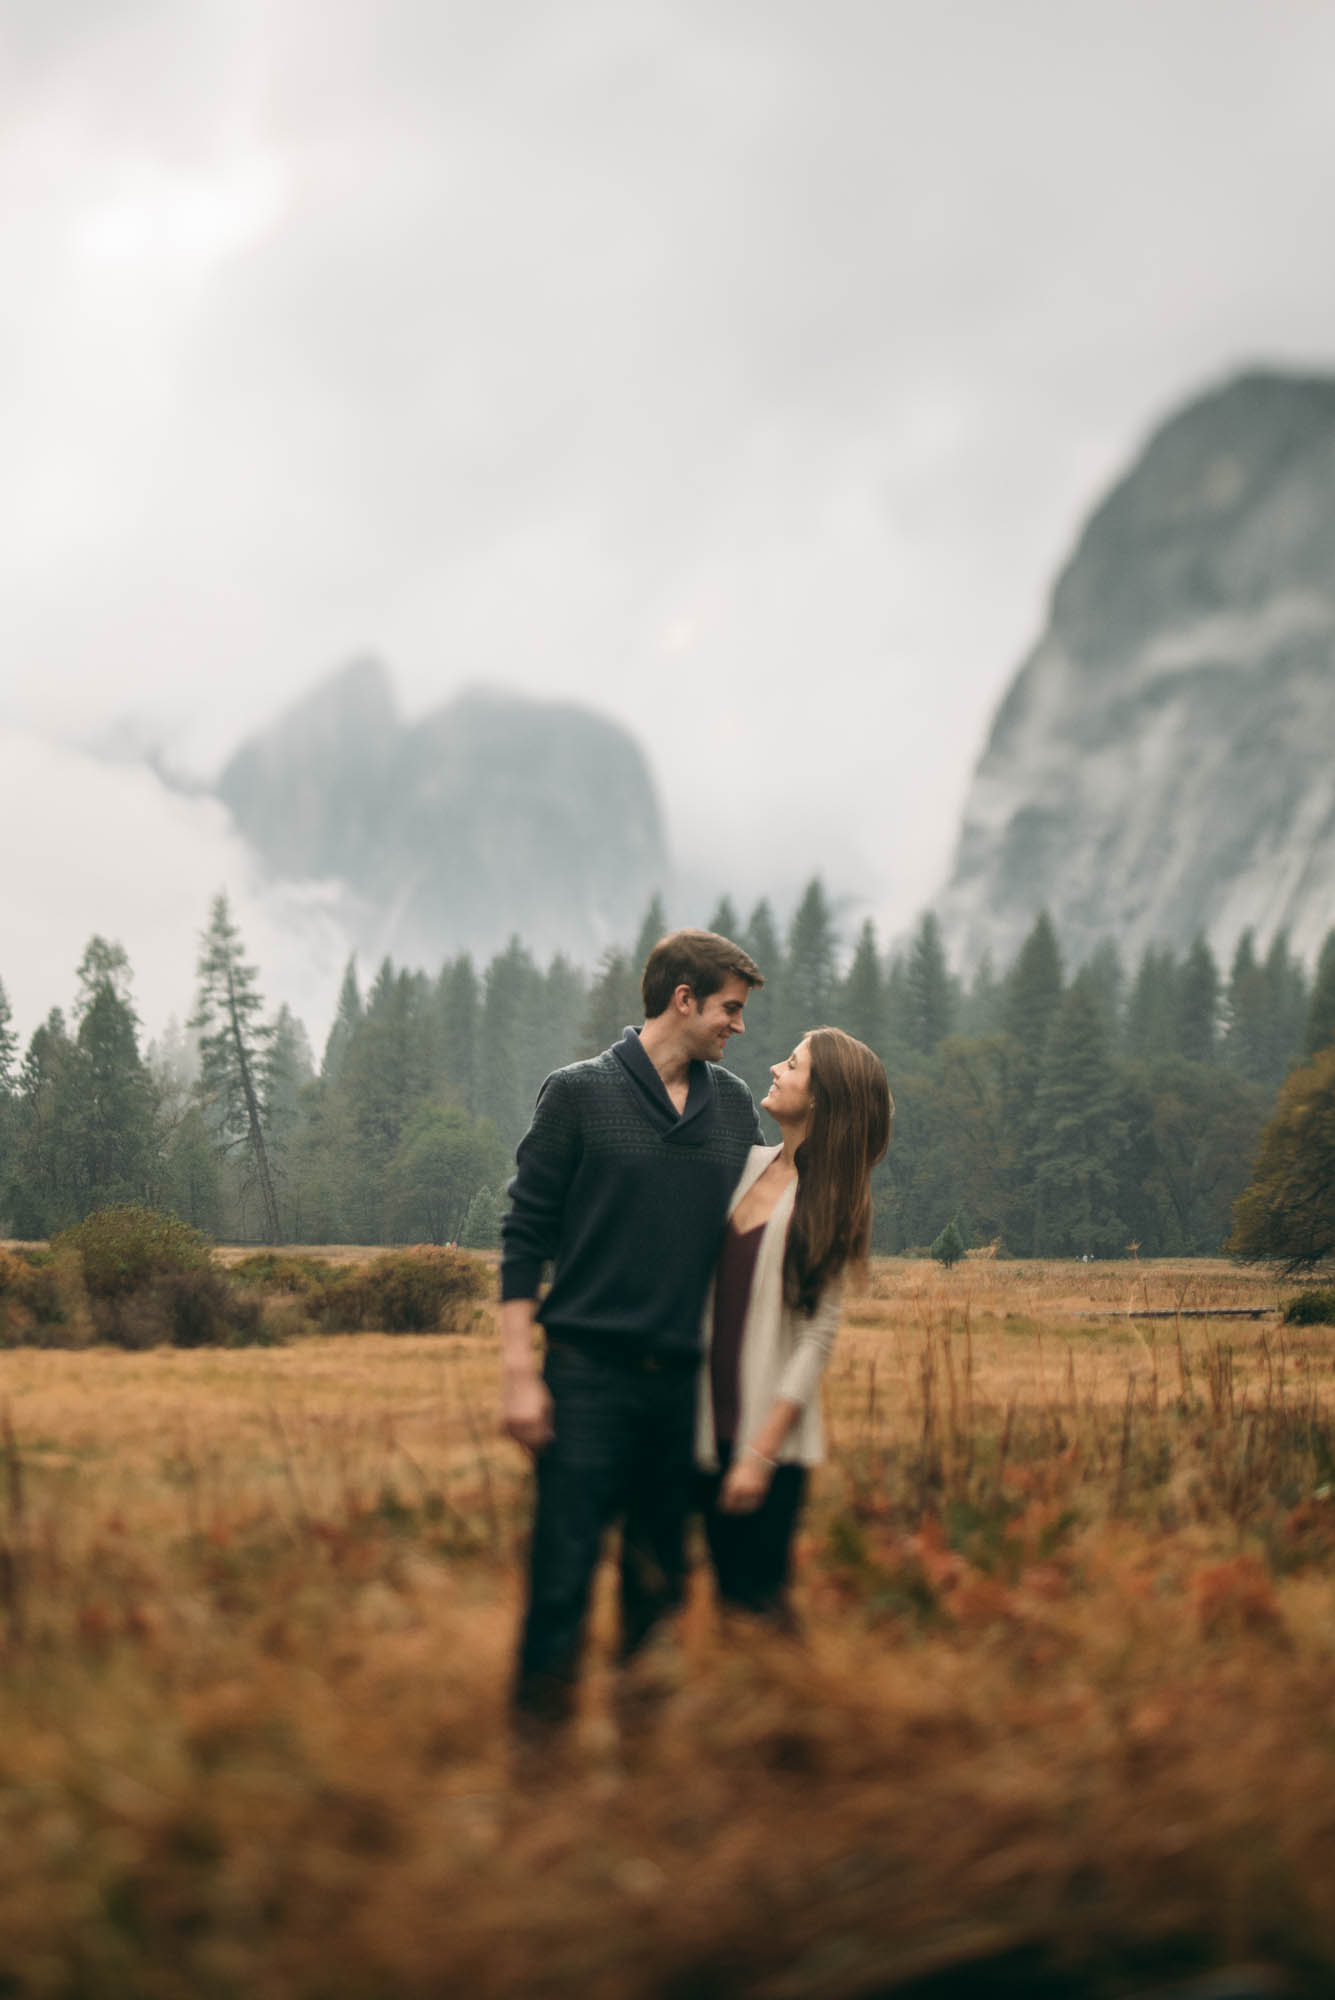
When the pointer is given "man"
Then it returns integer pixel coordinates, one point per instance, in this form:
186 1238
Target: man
623 1182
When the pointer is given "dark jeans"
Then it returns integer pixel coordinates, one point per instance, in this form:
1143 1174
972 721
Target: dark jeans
623 1449
752 1554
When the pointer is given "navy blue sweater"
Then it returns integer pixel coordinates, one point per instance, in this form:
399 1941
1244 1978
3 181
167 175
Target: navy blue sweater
626 1198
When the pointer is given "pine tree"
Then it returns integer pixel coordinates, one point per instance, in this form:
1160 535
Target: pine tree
1286 984
1108 980
613 1005
725 921
388 1073
1287 1211
1034 990
806 999
233 1042
898 1012
931 993
1079 1134
510 1045
9 1045
981 1011
1153 1009
40 1198
1319 1028
653 927
861 1003
1198 1004
482 1224
459 1005
105 1103
1247 1009
565 1001
345 1023
288 1070
750 1054
949 1246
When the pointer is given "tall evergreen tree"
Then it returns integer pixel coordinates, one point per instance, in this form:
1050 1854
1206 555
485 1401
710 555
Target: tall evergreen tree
1108 981
810 971
1198 1004
9 1045
1152 1011
1034 990
511 1054
346 1019
930 990
565 1001
459 1003
861 1004
751 1054
233 1041
39 1198
725 921
1080 1134
1319 1028
898 1011
289 1069
105 1101
652 928
981 1011
613 1005
1286 982
1247 1011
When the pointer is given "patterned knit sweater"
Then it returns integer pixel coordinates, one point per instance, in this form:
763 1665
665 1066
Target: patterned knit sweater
627 1199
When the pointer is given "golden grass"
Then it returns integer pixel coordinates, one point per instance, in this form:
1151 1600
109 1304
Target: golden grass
1066 1690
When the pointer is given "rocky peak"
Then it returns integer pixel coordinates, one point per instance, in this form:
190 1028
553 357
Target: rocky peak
1162 763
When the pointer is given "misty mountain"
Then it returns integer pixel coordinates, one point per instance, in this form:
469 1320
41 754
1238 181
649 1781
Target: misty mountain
492 815
1164 761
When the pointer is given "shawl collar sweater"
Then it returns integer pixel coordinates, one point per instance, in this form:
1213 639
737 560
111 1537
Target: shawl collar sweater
627 1199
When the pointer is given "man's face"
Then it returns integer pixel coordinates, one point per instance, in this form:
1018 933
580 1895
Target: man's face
712 1022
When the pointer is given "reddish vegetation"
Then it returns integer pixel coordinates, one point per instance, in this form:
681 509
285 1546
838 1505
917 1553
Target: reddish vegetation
1064 1704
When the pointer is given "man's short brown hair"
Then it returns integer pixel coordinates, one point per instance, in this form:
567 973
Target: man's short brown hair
702 960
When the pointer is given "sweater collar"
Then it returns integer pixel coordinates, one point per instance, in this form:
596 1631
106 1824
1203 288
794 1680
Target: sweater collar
690 1125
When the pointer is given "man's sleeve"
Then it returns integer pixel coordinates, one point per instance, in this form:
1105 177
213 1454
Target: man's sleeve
546 1160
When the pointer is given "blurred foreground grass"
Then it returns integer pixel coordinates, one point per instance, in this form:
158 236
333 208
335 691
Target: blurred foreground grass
1065 1710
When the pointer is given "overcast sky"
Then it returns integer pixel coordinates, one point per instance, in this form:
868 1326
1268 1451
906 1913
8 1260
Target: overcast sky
743 367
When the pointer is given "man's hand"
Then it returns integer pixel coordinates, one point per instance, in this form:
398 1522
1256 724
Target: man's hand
526 1402
746 1484
526 1409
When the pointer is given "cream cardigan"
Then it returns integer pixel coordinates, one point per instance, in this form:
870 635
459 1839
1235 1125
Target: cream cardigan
783 1352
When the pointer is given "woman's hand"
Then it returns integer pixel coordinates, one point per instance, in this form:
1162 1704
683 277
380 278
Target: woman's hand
745 1485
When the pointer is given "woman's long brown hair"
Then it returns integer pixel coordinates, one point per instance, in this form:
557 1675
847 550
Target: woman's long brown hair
851 1119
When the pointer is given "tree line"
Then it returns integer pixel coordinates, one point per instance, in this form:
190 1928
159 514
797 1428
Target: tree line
1055 1111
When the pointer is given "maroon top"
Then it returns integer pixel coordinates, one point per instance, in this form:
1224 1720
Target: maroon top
732 1293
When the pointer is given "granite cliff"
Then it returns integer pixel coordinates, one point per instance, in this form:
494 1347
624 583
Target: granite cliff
492 815
1164 761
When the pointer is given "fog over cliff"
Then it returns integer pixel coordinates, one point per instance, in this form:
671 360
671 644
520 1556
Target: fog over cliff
491 817
1164 761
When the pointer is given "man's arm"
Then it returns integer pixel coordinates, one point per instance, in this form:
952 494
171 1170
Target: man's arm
530 1234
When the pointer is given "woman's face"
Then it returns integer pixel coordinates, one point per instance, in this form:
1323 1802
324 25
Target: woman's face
788 1099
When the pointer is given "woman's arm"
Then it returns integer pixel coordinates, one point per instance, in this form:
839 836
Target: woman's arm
749 1475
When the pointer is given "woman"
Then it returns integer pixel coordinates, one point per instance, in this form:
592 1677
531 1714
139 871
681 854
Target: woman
801 1213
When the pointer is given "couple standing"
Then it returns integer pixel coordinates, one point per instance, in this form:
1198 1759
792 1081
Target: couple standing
645 1180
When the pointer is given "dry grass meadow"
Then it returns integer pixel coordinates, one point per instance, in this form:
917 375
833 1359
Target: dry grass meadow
1063 1720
